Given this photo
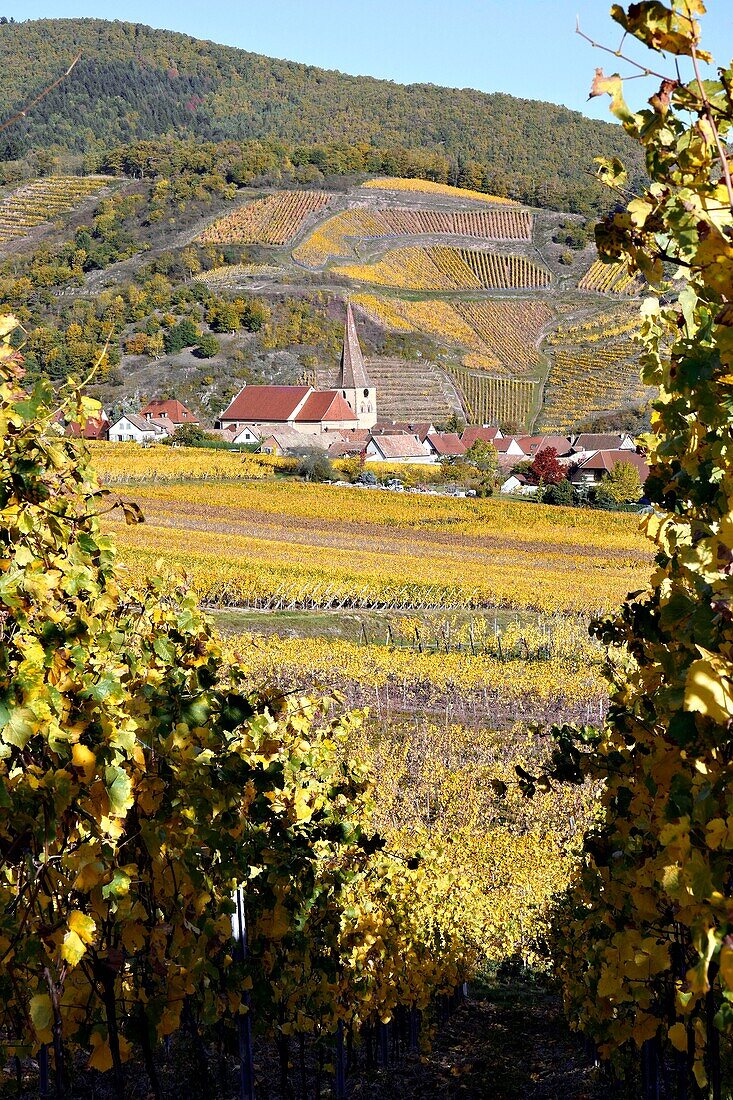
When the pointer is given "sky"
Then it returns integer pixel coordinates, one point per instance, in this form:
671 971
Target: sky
525 47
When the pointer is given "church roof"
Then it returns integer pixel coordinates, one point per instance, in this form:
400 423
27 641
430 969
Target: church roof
325 405
266 403
352 373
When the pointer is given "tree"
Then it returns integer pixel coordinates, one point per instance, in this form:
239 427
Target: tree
546 467
484 456
623 483
183 335
645 940
223 316
207 347
190 435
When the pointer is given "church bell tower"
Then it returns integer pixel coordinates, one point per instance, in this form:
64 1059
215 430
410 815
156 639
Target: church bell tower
353 381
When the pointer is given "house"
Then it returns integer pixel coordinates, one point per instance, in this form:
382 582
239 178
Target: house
246 435
95 427
591 470
533 444
347 448
287 441
603 441
132 428
518 483
171 410
508 449
397 448
397 427
486 435
444 445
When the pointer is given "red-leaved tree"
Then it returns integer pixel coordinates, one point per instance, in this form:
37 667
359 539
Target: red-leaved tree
546 467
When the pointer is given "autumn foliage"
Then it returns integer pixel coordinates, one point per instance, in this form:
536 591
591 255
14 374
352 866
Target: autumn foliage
645 943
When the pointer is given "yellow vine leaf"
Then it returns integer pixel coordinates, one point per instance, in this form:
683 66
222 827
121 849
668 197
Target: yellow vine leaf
101 1056
85 760
80 934
709 689
678 1036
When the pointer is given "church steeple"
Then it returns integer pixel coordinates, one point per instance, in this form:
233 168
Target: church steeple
353 374
353 380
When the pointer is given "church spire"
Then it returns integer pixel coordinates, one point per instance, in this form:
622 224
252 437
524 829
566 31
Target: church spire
352 374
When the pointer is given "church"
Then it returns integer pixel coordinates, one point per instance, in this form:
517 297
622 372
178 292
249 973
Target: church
303 409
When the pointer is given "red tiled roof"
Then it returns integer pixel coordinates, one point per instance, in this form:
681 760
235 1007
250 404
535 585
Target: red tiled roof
503 445
343 448
486 435
172 410
606 460
599 441
96 427
269 404
447 443
532 444
356 435
325 405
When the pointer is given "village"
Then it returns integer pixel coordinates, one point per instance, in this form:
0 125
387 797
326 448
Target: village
343 422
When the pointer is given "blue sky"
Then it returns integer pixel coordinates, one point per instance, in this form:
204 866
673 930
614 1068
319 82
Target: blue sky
524 47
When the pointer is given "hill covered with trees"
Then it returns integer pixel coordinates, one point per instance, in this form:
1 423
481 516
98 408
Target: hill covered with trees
134 83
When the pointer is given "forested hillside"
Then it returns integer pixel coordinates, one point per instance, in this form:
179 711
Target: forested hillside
133 82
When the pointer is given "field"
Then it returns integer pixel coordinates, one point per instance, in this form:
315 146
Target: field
44 200
281 545
391 183
594 370
439 267
272 220
339 236
609 279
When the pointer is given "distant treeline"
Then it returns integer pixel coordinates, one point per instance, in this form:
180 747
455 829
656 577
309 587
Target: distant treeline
134 84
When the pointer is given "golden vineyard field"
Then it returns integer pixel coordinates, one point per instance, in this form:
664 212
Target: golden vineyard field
594 369
283 545
609 279
439 267
42 201
273 220
391 183
502 335
339 236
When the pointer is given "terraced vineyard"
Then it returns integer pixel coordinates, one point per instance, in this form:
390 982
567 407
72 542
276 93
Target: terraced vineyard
594 370
273 220
502 335
408 390
610 279
339 236
391 183
492 400
42 201
509 329
439 267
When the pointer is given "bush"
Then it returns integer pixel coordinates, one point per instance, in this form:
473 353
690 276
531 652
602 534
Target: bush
562 493
316 467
